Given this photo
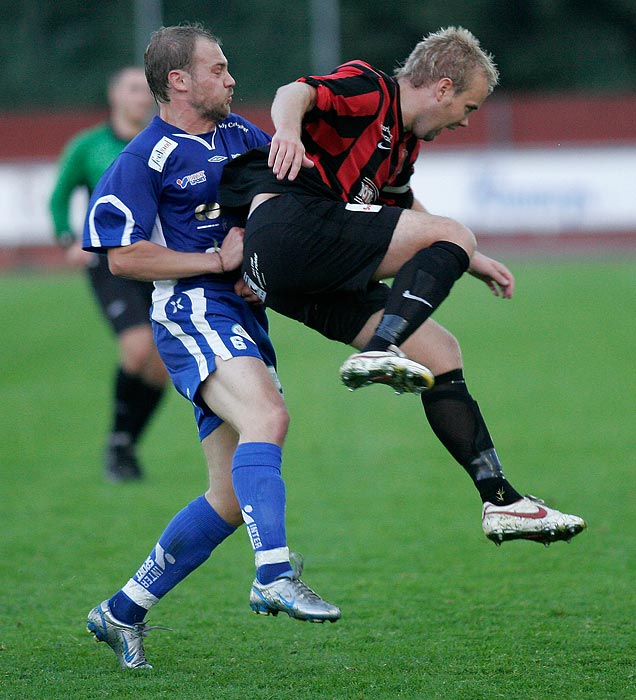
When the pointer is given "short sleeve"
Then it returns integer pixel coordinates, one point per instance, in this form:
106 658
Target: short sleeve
123 207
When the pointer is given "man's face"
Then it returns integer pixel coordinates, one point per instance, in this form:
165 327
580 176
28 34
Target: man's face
211 84
451 108
130 96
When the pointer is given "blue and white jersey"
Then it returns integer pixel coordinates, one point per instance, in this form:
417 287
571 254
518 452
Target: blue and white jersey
163 188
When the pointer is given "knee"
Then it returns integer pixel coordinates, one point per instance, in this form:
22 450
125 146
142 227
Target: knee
278 423
139 357
136 349
224 502
154 371
133 361
435 347
450 354
268 423
460 235
146 365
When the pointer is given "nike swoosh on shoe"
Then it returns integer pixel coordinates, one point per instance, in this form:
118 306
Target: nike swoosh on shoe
540 513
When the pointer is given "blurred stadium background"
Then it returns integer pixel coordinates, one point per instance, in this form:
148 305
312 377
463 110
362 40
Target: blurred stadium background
548 165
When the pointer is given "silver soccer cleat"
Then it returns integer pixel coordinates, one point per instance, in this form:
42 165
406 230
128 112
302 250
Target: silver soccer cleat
529 519
292 596
125 640
391 367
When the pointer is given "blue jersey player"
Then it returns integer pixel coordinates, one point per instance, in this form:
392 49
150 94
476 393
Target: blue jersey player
154 213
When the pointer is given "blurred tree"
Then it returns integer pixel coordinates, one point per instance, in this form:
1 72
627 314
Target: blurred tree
266 41
580 45
58 53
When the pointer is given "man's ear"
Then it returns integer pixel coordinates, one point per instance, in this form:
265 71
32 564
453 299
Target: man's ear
444 88
178 80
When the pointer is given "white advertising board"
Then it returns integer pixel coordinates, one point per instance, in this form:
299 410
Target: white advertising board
507 192
25 190
536 191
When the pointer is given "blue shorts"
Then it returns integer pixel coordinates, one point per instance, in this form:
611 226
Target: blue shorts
193 324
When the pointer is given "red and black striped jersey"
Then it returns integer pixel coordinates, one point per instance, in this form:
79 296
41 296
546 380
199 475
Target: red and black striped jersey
354 135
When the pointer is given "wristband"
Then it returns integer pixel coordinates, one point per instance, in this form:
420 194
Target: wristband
217 250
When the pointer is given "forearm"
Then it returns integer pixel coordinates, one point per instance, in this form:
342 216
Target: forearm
59 208
144 260
290 105
287 152
70 177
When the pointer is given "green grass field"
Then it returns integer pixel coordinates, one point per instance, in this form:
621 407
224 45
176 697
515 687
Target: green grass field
389 525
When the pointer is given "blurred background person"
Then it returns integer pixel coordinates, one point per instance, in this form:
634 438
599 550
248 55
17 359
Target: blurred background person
140 377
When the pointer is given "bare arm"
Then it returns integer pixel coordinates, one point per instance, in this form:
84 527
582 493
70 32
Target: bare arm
144 260
287 153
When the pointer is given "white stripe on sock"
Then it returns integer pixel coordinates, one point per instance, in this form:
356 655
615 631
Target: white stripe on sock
271 556
139 595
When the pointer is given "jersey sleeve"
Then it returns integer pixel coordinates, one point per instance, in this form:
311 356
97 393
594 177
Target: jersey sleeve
346 91
396 196
123 207
71 175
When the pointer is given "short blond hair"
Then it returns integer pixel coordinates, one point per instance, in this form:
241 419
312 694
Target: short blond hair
453 53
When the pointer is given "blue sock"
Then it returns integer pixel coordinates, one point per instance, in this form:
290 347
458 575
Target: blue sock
185 544
260 491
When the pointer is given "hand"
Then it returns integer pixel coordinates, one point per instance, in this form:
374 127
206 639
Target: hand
495 274
231 250
242 289
287 156
76 257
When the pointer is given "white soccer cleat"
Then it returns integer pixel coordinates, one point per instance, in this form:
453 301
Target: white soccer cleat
125 640
529 519
289 594
391 367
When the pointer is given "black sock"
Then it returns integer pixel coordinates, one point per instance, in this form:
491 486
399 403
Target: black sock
455 418
419 287
135 402
145 404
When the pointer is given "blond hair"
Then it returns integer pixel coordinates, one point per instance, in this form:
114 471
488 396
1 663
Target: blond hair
452 53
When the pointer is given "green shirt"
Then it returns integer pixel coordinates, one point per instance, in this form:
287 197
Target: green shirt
83 161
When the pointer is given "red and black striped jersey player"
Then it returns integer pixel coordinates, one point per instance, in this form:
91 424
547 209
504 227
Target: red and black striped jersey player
331 214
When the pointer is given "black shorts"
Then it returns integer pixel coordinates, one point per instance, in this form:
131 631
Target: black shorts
313 259
125 303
